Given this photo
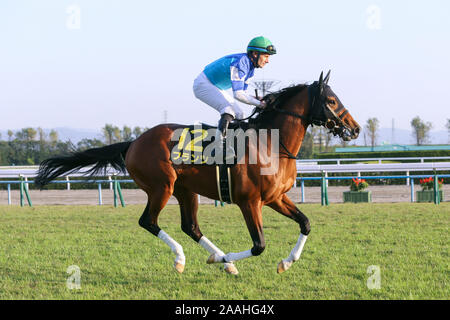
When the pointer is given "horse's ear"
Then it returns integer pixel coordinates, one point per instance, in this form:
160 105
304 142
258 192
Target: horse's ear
321 83
327 77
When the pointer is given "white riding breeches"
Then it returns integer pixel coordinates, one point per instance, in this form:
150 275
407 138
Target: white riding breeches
220 100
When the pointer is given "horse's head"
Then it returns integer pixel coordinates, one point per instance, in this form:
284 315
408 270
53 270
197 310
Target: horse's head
327 110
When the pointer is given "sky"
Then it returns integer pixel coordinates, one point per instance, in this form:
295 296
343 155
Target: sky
85 63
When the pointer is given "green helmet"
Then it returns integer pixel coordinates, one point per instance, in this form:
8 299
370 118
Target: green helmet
261 44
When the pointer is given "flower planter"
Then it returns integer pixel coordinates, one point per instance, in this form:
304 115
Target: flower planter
357 196
427 195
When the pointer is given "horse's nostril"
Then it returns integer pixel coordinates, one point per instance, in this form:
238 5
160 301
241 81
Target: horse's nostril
357 129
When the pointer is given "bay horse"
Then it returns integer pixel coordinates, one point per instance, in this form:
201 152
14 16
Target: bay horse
148 161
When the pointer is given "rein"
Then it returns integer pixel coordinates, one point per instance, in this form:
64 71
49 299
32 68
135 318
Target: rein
256 110
293 114
311 119
308 120
288 153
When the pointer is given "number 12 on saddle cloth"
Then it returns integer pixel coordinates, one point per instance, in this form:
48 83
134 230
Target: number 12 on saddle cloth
192 141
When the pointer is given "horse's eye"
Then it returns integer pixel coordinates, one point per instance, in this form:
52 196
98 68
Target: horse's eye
331 101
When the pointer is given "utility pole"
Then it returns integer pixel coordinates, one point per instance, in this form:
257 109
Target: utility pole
264 85
393 132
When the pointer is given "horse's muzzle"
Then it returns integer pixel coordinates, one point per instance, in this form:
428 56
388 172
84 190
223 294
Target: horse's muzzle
343 132
355 132
348 135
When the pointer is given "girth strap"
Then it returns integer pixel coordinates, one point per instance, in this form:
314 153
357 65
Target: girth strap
223 176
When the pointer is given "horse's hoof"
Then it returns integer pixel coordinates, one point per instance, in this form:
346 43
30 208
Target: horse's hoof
231 270
211 259
179 267
282 267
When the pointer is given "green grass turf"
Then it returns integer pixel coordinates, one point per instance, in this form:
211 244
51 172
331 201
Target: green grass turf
120 260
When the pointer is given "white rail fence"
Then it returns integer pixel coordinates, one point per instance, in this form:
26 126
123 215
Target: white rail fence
379 160
303 167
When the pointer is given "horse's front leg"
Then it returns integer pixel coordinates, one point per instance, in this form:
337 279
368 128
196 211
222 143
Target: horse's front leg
287 208
253 219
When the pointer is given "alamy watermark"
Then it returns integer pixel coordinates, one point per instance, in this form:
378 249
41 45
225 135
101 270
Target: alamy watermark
73 20
74 281
373 21
195 146
374 281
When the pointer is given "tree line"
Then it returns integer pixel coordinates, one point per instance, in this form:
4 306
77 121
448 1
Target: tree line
318 140
30 146
420 130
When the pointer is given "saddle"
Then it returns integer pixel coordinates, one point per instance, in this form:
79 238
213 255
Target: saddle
194 145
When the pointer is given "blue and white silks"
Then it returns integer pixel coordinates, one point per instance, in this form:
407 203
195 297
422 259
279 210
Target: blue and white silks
230 72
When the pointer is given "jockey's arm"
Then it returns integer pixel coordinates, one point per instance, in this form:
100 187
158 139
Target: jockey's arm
239 79
243 97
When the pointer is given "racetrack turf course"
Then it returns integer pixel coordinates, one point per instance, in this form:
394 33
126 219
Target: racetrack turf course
409 243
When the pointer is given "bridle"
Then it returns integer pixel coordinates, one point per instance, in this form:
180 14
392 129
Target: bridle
318 111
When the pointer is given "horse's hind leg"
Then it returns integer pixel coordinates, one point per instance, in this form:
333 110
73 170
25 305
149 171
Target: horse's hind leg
287 208
149 221
188 207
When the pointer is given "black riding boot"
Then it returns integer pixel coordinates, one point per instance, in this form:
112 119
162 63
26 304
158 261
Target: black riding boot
222 127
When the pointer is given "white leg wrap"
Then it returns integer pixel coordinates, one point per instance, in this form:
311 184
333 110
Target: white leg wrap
174 246
297 251
238 256
294 255
212 249
209 246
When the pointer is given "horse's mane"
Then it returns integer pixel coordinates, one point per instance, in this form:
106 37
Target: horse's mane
275 100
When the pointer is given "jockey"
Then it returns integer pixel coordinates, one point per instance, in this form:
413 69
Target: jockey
232 71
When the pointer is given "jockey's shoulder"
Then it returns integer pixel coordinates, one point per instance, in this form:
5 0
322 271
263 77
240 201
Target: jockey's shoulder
237 56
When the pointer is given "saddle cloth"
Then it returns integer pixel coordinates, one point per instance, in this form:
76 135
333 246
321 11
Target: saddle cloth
195 144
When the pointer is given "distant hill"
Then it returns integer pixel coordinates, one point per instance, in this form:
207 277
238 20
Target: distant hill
76 135
73 134
402 136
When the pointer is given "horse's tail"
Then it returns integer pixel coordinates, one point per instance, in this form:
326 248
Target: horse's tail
98 158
